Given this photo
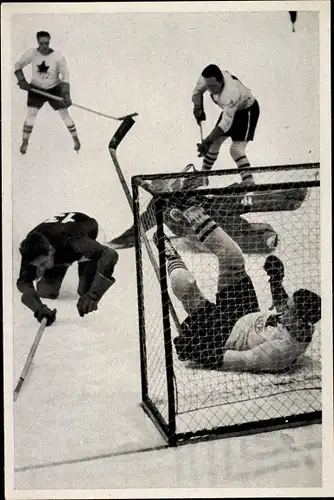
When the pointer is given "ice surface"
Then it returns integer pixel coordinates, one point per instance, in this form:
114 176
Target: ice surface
81 397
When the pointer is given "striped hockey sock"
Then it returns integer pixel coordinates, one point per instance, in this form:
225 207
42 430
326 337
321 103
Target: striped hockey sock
208 161
201 223
175 264
73 131
244 168
27 129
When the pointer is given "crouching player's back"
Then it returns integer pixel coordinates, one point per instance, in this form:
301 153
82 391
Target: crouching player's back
261 341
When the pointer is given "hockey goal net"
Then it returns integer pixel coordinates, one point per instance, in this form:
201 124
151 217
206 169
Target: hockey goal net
279 215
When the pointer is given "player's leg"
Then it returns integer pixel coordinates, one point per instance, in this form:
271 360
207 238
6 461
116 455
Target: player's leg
230 257
34 104
238 153
28 126
235 291
65 115
211 156
183 283
68 121
242 131
48 287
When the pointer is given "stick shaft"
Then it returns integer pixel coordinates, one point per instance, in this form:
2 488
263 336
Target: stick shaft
30 357
60 99
201 130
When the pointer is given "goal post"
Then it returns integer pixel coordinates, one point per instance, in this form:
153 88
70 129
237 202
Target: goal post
279 215
187 402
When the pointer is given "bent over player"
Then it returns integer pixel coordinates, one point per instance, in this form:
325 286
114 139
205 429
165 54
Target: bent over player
238 120
49 74
232 333
48 251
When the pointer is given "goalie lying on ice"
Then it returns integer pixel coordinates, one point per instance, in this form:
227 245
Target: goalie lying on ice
233 334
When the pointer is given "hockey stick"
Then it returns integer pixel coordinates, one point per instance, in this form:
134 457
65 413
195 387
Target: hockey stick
30 358
60 99
201 130
113 144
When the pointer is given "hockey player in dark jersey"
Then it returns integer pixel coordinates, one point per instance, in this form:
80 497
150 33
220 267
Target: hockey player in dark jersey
47 253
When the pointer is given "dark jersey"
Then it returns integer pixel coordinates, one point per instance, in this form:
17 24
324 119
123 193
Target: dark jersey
72 235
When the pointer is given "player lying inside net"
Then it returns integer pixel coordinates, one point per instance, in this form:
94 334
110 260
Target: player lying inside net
48 251
233 334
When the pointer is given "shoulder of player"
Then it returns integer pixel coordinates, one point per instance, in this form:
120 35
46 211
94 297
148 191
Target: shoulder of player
57 55
32 52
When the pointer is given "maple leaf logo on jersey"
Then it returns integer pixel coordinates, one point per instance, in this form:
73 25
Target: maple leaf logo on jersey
42 68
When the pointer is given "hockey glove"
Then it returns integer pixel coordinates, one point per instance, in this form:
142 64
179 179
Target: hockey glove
65 92
44 312
274 267
21 81
89 300
199 114
203 148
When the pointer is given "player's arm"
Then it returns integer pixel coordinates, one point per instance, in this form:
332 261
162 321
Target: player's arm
18 69
65 80
106 259
30 297
274 267
221 128
274 355
197 99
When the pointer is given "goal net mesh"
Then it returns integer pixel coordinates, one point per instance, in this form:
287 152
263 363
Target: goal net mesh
284 222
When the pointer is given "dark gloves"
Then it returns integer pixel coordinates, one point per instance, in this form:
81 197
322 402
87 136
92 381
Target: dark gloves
274 267
65 92
199 114
44 312
88 301
21 81
203 148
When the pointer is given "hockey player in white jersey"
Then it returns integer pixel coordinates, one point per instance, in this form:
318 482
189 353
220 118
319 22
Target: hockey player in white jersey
233 333
49 74
238 120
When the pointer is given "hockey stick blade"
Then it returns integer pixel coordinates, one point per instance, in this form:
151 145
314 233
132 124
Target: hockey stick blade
121 132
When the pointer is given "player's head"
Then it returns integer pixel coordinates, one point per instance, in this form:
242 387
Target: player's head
36 250
213 78
304 311
43 39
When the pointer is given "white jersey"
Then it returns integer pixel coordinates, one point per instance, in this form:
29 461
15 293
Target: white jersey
235 96
261 347
47 70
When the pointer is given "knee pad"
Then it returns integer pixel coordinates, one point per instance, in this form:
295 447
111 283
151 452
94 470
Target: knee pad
185 287
66 117
237 150
31 116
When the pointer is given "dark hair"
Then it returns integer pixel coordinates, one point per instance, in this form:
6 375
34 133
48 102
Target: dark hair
34 246
308 305
40 34
212 71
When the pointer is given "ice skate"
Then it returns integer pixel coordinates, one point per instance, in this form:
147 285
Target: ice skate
24 147
170 251
125 240
77 144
